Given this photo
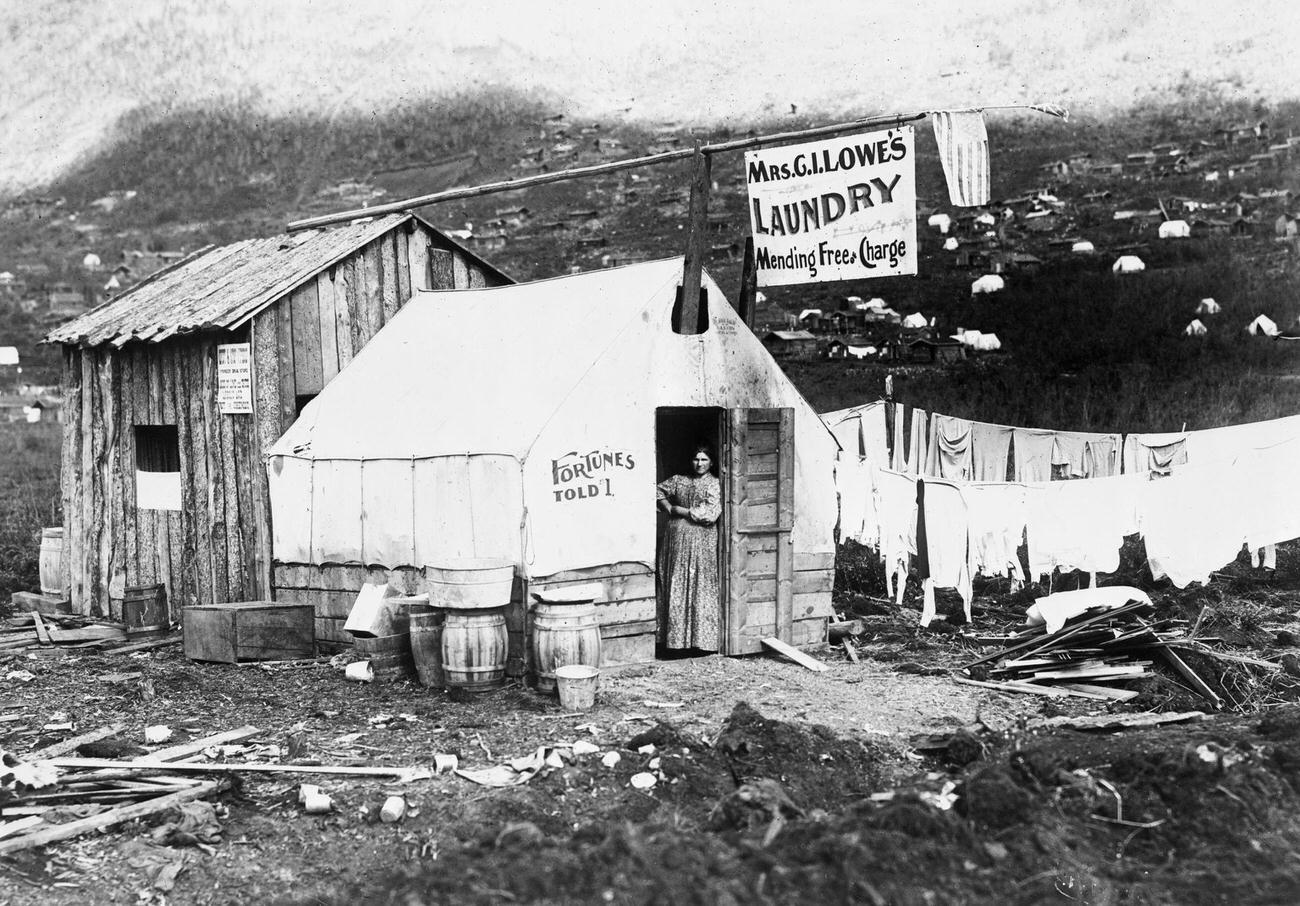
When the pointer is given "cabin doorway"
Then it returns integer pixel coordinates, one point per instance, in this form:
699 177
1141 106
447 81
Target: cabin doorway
678 430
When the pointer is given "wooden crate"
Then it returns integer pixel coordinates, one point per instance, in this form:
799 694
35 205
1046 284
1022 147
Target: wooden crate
249 631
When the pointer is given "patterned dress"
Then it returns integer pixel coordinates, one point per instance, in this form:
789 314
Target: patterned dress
690 612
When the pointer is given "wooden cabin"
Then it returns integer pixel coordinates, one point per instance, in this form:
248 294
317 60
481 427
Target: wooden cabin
799 345
173 390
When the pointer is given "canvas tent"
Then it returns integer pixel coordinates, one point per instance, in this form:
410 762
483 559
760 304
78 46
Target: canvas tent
1263 325
532 422
1128 264
1195 328
989 283
1208 306
1174 229
915 320
1083 247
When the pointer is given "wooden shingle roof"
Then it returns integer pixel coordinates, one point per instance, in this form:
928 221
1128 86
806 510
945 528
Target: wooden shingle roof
221 287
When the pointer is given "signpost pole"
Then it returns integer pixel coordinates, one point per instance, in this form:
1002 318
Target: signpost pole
745 298
696 235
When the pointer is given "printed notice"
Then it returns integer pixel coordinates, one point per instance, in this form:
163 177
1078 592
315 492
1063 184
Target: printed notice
841 209
235 378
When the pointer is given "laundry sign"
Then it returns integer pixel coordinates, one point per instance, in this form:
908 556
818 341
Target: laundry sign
235 378
839 209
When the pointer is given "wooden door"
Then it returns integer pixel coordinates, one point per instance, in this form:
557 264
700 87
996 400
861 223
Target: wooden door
758 552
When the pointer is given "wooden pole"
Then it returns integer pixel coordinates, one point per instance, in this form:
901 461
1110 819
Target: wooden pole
697 227
542 179
745 298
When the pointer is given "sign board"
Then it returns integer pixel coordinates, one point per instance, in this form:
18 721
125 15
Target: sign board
235 378
839 209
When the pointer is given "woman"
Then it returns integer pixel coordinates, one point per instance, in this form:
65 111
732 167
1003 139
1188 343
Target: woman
688 556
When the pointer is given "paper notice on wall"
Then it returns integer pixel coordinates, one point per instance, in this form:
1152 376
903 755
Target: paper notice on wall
157 490
235 378
840 209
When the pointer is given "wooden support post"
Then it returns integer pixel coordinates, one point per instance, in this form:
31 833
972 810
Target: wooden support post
696 242
748 285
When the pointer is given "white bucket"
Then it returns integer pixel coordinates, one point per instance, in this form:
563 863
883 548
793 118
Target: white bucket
577 686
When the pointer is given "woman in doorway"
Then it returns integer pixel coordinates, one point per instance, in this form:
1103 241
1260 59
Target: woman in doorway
688 555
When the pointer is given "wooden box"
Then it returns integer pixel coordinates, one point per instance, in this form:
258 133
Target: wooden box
249 631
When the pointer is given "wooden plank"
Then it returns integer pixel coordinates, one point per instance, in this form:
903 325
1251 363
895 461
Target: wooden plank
222 429
116 560
476 278
697 228
284 346
126 470
215 767
746 298
344 311
263 431
1049 691
633 610
192 563
109 818
623 651
96 546
195 746
331 630
146 522
70 466
326 320
795 655
614 588
83 564
42 634
358 316
402 256
442 269
372 291
785 484
737 579
390 290
595 573
206 428
460 271
417 252
804 560
308 366
785 586
333 604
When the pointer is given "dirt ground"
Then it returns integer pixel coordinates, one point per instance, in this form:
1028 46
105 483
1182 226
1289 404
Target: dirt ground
881 782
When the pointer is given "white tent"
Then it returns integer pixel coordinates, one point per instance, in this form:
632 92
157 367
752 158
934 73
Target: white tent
1175 229
1195 328
989 283
519 422
1128 264
988 342
91 262
915 319
941 222
1083 247
1208 306
8 355
951 244
810 312
1263 325
967 337
876 304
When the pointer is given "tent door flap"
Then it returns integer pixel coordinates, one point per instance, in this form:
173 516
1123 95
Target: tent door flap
758 549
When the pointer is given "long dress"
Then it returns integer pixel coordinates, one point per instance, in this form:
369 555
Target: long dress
688 564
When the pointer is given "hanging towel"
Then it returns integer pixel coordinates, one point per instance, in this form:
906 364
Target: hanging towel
1272 510
1223 445
1193 521
947 542
1101 456
1076 450
896 497
1032 452
855 484
990 445
1081 524
916 444
875 442
898 459
964 151
1159 453
996 517
949 453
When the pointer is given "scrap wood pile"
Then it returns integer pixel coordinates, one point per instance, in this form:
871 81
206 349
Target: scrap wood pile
1090 643
25 631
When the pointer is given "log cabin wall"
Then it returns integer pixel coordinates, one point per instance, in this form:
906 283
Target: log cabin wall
217 547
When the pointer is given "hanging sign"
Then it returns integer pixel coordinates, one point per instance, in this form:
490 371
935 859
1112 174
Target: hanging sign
840 209
235 378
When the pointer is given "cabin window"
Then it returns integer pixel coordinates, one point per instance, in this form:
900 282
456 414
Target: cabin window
702 316
157 467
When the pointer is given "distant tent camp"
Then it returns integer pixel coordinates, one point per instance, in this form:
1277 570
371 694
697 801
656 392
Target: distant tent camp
915 320
941 222
1208 306
1175 229
1128 264
1083 247
1195 328
989 283
1263 325
542 444
951 244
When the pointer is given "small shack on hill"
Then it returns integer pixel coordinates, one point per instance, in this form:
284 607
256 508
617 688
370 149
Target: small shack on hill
173 390
544 448
791 344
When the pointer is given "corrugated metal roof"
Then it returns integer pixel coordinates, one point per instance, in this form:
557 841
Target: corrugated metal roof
221 287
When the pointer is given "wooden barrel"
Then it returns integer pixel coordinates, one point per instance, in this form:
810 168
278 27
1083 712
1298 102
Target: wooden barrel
563 634
389 655
474 649
470 583
51 562
426 647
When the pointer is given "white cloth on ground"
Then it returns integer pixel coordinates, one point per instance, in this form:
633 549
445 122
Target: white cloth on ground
990 447
1053 610
949 454
996 518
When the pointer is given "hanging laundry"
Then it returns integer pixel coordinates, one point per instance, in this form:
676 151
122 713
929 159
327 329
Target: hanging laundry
1194 521
1081 524
917 445
1076 450
875 442
856 486
1159 453
990 447
1223 445
996 518
1272 512
898 457
896 499
846 425
1032 450
949 454
947 543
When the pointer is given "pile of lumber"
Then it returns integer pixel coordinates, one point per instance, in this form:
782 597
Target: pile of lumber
37 630
1091 656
